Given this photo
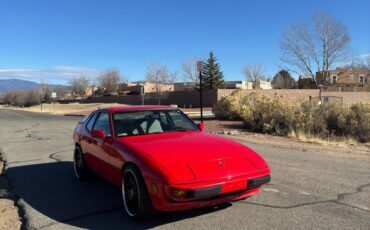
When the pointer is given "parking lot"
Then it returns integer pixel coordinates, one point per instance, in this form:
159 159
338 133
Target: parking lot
309 189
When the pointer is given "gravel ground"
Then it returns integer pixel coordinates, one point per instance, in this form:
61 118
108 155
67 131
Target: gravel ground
214 125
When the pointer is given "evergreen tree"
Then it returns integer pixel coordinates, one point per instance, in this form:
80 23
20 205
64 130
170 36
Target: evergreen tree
283 80
212 76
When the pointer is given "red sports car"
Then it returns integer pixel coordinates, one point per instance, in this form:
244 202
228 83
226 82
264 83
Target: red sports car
163 161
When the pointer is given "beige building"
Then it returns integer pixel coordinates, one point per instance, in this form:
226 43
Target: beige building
184 86
90 91
345 79
189 86
135 88
238 85
151 88
262 85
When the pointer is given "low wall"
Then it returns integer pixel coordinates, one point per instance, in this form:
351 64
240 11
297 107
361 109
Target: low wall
184 99
190 99
290 94
350 98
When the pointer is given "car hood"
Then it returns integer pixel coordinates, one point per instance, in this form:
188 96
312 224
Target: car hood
198 156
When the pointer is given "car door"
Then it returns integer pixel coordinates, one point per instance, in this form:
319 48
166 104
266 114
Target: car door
101 148
86 143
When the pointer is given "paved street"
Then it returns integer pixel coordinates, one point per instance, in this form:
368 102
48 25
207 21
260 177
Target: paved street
308 190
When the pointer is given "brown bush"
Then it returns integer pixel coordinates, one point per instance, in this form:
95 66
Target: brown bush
358 122
269 114
229 107
277 115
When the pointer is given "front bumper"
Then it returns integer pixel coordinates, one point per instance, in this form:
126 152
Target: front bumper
258 182
209 194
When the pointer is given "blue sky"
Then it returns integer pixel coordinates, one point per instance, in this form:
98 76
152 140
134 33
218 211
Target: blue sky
52 41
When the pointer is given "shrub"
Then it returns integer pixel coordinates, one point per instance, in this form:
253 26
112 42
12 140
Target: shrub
358 121
269 114
229 107
265 114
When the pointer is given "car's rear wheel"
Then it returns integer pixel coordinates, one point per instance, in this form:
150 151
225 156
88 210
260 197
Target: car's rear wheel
135 196
82 171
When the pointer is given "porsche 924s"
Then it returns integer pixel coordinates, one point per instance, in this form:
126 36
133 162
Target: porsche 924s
162 160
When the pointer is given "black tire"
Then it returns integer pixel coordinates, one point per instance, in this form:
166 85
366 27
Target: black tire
136 200
82 171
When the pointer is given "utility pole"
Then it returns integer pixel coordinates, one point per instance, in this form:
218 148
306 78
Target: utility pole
200 69
41 102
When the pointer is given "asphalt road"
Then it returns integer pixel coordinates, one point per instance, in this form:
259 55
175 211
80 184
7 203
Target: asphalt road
308 190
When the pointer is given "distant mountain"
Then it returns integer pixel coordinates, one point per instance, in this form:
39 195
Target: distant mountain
11 84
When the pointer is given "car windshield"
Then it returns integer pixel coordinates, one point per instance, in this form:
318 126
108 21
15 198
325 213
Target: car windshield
83 120
129 123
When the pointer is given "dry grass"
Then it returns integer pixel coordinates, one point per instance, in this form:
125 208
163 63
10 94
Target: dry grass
65 108
333 141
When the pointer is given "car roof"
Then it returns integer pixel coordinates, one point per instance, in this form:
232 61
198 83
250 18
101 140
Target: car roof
114 109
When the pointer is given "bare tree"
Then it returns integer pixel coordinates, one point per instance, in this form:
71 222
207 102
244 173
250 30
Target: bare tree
45 93
315 47
160 76
189 68
109 80
254 72
79 85
8 97
33 97
60 91
15 97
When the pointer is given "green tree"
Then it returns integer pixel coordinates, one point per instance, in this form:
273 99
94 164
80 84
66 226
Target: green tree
212 76
283 80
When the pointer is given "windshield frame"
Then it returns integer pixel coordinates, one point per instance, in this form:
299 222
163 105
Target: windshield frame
154 109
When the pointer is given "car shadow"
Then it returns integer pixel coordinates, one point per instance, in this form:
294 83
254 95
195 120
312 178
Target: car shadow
52 190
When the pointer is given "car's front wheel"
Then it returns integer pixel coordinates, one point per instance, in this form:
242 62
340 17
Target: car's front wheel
135 196
82 171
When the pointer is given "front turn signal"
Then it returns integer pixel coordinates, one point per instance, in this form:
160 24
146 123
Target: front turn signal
179 193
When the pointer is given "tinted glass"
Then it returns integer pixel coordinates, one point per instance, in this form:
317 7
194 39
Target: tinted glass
102 123
83 120
151 121
90 124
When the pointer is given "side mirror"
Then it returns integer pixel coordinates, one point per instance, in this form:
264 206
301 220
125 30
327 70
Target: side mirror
201 126
98 133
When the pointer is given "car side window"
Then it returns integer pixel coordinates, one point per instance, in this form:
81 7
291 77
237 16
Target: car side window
180 121
102 123
91 121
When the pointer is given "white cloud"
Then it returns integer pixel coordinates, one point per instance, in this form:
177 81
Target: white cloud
53 74
363 59
365 56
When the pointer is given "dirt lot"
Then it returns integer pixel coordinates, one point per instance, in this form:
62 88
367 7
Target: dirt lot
62 109
9 219
78 109
235 130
